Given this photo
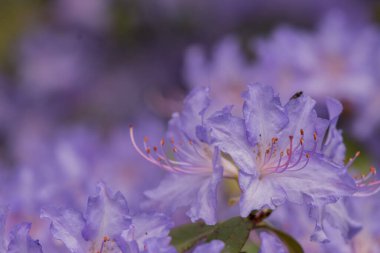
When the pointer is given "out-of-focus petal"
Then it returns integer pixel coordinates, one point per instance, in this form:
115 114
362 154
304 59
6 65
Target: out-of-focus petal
271 244
214 246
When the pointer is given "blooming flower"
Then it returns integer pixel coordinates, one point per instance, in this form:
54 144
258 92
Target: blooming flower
99 230
196 167
107 226
279 152
331 61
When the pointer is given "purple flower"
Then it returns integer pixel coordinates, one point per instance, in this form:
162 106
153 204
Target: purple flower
339 225
279 151
100 228
107 226
196 169
149 233
338 60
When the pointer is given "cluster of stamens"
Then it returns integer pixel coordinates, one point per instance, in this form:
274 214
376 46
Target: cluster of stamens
188 159
367 184
291 159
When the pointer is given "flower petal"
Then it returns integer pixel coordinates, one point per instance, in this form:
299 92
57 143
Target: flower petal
106 215
195 106
66 225
204 207
146 226
334 147
228 133
263 114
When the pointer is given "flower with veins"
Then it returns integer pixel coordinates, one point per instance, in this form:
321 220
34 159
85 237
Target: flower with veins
196 167
276 153
98 230
284 153
107 226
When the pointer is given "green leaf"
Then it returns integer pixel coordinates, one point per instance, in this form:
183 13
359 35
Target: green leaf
186 236
292 245
250 247
233 232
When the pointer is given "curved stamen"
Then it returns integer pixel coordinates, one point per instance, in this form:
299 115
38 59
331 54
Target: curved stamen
367 187
269 153
163 161
368 190
365 178
299 157
289 152
352 160
306 163
185 155
300 150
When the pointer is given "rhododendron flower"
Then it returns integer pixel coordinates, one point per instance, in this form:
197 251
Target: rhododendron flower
107 226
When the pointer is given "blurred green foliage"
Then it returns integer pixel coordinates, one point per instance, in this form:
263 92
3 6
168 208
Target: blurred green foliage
16 16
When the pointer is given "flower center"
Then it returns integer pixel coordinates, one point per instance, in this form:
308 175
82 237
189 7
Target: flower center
292 158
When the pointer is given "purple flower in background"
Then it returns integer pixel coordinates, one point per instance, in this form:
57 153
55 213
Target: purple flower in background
226 73
196 168
340 226
336 60
19 238
367 211
51 62
99 229
107 226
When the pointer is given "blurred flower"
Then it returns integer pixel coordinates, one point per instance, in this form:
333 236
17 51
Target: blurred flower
107 226
52 61
227 73
337 60
366 210
100 228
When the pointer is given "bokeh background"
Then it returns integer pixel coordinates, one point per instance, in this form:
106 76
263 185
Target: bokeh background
75 73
